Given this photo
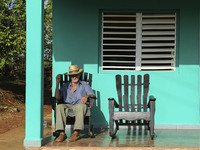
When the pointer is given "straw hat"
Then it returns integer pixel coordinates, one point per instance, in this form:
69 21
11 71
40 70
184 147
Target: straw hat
73 69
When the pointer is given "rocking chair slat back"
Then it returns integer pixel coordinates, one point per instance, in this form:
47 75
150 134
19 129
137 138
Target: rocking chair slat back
126 106
119 90
90 79
136 98
66 78
139 84
85 76
146 90
133 93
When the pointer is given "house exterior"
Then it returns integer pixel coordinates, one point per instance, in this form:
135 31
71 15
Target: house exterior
130 37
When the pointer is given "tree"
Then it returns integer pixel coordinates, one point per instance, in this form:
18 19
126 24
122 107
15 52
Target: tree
48 30
12 35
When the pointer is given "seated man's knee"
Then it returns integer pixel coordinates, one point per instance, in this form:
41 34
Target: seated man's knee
81 107
59 107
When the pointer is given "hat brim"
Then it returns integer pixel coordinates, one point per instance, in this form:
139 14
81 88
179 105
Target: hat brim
80 71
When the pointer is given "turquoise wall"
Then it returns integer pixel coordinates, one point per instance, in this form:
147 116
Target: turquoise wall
76 40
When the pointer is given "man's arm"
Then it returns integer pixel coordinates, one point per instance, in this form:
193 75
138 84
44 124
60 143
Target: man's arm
89 92
85 97
57 92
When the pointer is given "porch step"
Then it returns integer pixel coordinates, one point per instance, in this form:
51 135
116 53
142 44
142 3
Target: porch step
114 148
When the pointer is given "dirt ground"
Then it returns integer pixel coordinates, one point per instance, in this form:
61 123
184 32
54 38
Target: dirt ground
12 104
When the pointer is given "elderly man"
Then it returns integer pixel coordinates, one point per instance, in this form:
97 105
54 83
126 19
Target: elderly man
74 95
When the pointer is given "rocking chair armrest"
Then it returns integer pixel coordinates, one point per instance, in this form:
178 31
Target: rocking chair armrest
115 103
54 100
53 103
151 99
91 100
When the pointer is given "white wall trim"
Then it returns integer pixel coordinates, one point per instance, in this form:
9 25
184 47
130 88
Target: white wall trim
157 126
177 126
33 143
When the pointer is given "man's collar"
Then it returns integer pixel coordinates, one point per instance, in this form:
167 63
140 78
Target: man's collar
70 84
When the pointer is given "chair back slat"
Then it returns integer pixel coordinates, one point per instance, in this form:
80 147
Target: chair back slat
85 76
126 106
133 93
66 78
119 90
90 79
137 87
146 90
139 84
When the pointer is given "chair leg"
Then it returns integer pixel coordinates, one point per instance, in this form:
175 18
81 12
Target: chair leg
152 129
90 127
113 131
148 126
152 112
111 126
111 121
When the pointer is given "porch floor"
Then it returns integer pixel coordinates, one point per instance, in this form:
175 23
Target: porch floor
129 139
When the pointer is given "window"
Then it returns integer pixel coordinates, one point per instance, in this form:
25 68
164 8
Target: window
138 41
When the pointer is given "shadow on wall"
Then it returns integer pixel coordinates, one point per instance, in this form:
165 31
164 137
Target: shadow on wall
98 118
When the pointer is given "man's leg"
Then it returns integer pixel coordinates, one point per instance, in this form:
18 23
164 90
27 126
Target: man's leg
79 110
61 113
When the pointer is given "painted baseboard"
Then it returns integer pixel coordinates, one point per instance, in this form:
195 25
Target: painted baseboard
161 126
33 143
177 126
157 126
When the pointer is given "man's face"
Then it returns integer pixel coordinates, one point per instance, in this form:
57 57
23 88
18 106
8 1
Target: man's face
75 78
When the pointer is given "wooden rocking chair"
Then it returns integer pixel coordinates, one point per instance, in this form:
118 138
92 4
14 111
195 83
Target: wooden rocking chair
71 116
135 113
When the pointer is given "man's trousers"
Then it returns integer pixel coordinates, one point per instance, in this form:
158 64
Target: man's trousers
61 115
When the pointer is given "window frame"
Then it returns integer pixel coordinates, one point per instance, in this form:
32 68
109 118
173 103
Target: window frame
139 11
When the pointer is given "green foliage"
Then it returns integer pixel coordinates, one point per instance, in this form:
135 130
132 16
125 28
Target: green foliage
12 34
13 37
48 30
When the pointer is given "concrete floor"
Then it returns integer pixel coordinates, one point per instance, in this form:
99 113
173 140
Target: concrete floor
13 139
126 139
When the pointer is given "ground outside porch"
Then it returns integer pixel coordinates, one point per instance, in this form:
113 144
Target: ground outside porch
127 140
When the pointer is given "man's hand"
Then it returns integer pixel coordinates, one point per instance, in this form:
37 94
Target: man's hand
58 78
84 99
57 94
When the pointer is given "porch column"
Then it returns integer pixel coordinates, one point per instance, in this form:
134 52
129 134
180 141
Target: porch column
34 73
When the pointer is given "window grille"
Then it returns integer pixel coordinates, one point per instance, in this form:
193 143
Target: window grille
138 41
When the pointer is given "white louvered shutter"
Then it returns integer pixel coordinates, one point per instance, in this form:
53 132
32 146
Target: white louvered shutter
136 41
119 41
158 41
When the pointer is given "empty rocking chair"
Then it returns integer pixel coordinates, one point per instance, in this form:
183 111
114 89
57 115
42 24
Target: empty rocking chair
135 113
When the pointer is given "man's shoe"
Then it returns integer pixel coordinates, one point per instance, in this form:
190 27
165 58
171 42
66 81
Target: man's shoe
61 138
73 138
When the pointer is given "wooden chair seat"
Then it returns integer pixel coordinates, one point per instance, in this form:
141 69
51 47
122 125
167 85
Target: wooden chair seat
131 116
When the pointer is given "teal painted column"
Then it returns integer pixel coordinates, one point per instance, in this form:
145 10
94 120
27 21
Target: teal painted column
34 73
